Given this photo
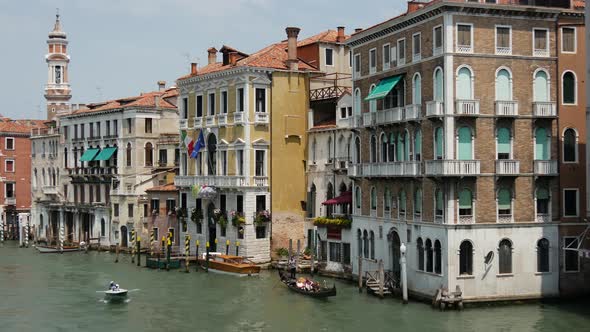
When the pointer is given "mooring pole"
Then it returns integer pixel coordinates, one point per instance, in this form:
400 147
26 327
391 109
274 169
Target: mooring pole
117 253
2 233
138 251
402 250
197 256
27 235
61 239
151 244
360 274
187 250
227 247
381 278
207 257
162 252
133 246
237 248
169 247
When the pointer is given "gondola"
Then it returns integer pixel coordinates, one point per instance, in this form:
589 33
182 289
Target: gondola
323 292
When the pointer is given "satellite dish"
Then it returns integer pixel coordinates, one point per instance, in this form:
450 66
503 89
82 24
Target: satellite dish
489 257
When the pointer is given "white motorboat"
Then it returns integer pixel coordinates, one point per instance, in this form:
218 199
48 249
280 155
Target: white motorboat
118 294
55 249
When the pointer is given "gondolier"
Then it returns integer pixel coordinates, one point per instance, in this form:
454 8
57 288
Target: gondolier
292 266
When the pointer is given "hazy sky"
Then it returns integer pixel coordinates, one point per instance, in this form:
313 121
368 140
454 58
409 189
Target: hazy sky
119 48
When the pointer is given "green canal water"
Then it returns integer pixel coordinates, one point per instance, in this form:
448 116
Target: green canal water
53 292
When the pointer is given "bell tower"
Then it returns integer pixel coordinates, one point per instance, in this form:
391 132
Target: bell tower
57 89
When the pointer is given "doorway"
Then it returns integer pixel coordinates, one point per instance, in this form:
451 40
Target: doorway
394 239
212 227
124 236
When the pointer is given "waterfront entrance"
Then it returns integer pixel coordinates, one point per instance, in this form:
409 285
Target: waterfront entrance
212 227
395 244
124 236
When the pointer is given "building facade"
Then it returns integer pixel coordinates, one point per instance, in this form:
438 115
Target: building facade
458 146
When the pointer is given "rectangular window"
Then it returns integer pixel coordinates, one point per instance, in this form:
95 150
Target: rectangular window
148 126
10 188
9 143
116 127
97 189
372 61
416 46
346 253
75 131
260 232
91 128
170 206
240 203
571 259
66 132
98 129
464 38
260 100
163 157
386 56
223 162
185 108
401 52
503 40
115 207
82 131
130 210
91 193
108 128
9 165
437 40
65 191
260 203
146 210
212 104
260 163
335 252
199 106
349 59
323 251
83 194
568 40
240 161
540 42
570 202
155 234
224 102
329 57
357 65
129 125
240 101
155 206
343 114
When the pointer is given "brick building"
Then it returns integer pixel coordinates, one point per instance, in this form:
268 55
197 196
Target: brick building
458 146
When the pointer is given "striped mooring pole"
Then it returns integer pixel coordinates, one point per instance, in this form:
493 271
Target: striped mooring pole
61 239
187 250
1 232
26 235
152 243
197 256
237 248
132 246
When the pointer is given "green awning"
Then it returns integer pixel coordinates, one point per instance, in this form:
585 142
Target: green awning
89 154
383 88
105 154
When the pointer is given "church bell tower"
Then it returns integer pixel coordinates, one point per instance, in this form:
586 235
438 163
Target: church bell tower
57 89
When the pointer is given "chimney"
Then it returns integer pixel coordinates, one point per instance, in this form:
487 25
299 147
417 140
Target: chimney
233 58
161 86
292 34
193 68
357 30
340 37
212 55
415 5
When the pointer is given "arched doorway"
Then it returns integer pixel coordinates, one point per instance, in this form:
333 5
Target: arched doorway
70 227
212 227
395 243
212 154
124 236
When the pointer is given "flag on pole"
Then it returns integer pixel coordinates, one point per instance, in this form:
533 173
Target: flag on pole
187 140
197 147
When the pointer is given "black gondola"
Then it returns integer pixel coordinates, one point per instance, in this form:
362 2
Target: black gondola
323 292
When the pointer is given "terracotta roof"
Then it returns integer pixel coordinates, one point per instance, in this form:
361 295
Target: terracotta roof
579 4
166 187
273 56
328 36
143 100
8 125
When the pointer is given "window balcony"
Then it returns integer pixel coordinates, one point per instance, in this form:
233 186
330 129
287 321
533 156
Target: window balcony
464 49
198 122
391 115
437 51
391 169
261 181
416 57
466 219
541 52
452 167
507 167
434 109
369 119
222 120
505 219
357 121
261 118
49 190
224 181
545 167
543 109
503 50
543 217
467 107
506 108
183 123
210 121
413 112
239 118
341 163
10 201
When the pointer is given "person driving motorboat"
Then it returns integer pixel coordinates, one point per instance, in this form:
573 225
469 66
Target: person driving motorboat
113 286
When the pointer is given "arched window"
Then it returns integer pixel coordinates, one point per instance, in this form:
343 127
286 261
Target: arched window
149 154
329 195
357 198
359 240
372 244
438 143
373 198
504 203
541 87
392 147
330 150
420 254
383 139
357 148
313 150
366 244
418 203
402 204
503 85
128 154
372 102
437 257
438 87
465 142
102 227
417 89
373 149
65 157
466 258
357 101
429 255
465 203
418 145
543 255
570 146
464 84
438 204
35 179
505 256
387 201
401 146
541 144
569 92
503 145
43 182
212 154
542 197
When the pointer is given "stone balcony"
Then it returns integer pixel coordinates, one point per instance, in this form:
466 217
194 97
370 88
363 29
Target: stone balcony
222 119
239 118
387 116
10 201
452 167
413 112
183 123
49 190
369 119
210 121
222 181
508 108
507 167
467 107
544 109
434 108
392 169
261 118
545 167
198 122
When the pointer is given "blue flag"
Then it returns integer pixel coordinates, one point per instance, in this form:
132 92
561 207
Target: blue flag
198 146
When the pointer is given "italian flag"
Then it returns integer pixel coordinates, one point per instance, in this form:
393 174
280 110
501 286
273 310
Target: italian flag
188 142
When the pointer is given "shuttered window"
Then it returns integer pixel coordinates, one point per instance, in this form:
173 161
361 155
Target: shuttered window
503 143
464 35
568 39
504 202
505 259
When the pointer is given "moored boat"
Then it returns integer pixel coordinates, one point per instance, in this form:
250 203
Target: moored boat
229 264
315 291
55 249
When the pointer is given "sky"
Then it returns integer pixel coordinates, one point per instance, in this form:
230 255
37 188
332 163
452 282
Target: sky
120 48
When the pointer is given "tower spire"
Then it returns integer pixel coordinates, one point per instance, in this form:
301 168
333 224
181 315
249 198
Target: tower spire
57 89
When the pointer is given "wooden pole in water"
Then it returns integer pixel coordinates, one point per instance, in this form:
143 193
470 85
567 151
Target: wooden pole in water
237 248
207 257
138 251
290 248
133 246
187 251
298 252
381 277
197 256
360 274
227 247
162 250
117 253
169 247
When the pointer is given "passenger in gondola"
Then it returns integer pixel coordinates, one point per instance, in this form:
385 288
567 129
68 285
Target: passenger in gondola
292 266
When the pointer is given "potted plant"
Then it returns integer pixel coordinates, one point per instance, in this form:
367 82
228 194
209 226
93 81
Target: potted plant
237 218
283 253
222 220
262 217
196 215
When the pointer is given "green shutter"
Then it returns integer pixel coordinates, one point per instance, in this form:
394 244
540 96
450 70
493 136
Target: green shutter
541 93
503 85
373 198
504 199
542 193
438 86
503 140
418 143
439 200
465 144
569 86
541 144
439 142
464 84
400 147
465 199
417 98
418 201
402 200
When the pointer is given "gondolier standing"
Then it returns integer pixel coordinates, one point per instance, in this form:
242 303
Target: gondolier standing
292 266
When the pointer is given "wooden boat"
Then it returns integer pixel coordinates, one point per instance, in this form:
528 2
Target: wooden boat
54 249
291 283
229 264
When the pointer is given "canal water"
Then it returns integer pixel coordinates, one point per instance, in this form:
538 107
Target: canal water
54 292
